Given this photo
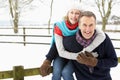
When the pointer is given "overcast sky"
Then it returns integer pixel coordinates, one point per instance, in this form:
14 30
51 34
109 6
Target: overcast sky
41 11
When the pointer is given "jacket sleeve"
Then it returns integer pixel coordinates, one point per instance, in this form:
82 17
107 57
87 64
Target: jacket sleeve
61 51
108 58
53 53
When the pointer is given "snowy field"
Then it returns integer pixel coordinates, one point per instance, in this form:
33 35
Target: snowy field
31 55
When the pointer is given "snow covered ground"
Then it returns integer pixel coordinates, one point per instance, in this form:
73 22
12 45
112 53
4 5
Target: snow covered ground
31 55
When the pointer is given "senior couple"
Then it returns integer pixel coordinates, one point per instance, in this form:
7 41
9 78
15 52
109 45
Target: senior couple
79 47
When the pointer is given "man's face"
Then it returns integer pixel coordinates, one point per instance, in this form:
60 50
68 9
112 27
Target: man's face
87 26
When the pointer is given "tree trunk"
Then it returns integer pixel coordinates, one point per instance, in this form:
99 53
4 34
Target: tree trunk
50 17
104 22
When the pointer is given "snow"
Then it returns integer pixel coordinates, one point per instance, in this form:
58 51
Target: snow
31 55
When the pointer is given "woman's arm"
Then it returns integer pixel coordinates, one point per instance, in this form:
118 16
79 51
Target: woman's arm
63 53
97 41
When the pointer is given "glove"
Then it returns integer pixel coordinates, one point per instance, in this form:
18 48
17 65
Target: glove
88 54
87 59
45 68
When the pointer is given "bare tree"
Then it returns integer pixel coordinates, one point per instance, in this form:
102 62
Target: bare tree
15 7
105 8
50 16
80 1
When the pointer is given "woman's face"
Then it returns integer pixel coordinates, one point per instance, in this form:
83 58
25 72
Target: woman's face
87 26
73 15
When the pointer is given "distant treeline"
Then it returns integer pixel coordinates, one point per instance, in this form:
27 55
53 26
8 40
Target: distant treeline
116 22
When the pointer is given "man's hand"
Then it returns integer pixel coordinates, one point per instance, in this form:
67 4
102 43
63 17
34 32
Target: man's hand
87 59
45 68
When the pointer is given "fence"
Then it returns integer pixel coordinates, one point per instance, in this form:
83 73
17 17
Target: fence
25 35
18 72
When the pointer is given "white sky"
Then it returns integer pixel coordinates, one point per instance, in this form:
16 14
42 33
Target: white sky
41 12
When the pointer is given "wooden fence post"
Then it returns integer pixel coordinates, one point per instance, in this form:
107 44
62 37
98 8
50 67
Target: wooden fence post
18 73
24 37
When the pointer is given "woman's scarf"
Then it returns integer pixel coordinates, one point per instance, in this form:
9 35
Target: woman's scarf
63 26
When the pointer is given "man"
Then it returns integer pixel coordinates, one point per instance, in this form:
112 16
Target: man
88 67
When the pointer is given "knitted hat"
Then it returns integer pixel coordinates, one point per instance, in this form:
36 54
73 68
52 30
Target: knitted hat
74 6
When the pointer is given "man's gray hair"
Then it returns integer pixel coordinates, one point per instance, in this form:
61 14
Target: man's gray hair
88 14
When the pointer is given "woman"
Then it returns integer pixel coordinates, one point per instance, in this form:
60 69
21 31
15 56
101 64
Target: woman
67 27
